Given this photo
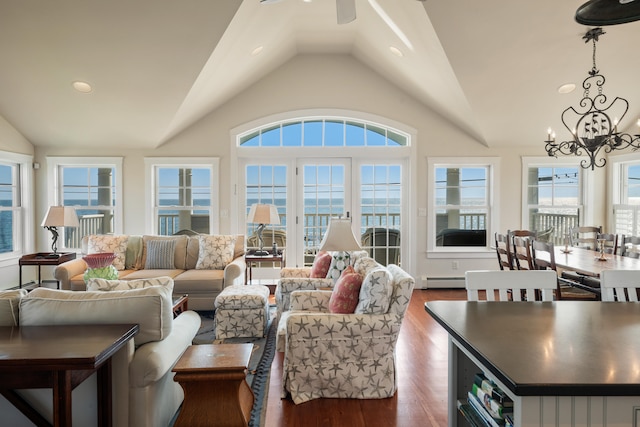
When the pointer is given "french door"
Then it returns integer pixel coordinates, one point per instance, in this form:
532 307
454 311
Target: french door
309 191
323 190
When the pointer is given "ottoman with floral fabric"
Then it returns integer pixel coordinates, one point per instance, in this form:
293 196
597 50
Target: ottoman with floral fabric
242 311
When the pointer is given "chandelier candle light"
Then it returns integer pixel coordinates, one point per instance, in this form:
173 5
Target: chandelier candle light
593 128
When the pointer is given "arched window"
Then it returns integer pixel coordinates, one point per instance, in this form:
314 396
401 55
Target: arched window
313 168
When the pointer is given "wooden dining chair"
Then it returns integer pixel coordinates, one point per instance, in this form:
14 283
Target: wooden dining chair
610 242
630 246
585 237
522 253
544 259
620 285
504 252
511 285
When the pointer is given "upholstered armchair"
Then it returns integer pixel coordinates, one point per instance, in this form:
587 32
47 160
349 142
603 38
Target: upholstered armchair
342 355
299 279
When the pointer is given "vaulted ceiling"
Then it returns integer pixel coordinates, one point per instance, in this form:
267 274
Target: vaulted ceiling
491 68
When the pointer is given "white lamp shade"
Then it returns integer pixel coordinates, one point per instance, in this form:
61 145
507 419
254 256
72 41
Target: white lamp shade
263 214
61 216
339 236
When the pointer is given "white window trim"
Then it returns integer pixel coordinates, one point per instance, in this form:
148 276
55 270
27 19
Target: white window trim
150 163
616 180
493 222
54 163
585 191
27 236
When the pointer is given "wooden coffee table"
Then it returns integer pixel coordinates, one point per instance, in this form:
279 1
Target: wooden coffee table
213 377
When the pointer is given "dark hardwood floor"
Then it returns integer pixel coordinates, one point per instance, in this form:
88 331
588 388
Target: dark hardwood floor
421 399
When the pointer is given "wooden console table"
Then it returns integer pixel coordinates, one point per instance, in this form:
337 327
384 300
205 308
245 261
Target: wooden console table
251 258
562 363
213 377
44 258
60 358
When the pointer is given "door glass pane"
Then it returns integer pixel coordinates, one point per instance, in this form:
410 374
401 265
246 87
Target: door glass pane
380 214
267 184
323 194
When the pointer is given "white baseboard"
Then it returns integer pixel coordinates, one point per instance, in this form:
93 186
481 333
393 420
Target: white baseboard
444 282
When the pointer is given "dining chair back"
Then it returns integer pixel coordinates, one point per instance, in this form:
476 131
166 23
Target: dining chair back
630 246
620 285
585 237
522 253
503 250
511 285
610 242
544 259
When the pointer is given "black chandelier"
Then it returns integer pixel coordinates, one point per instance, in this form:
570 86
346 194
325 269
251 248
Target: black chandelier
594 130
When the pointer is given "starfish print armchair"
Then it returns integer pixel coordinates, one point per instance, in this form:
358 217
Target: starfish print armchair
343 355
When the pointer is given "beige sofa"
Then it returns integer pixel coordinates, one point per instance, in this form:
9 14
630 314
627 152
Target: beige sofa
144 393
202 286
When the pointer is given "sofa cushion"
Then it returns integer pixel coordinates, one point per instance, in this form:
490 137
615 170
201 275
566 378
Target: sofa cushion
104 285
199 281
151 308
98 243
9 306
160 254
375 293
216 251
180 254
321 264
344 297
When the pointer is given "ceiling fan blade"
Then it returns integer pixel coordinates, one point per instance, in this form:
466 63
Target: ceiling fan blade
346 11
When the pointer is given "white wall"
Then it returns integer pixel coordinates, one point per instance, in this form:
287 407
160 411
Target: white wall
315 81
12 141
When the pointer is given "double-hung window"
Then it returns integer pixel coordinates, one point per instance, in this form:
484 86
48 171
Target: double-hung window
184 194
93 186
626 195
552 197
462 208
15 184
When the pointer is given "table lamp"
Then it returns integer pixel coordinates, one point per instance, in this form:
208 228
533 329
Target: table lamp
340 238
263 214
59 216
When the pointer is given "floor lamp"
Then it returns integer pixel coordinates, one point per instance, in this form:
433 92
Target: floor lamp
263 214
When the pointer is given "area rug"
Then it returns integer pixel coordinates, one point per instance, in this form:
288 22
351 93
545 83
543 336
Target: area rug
264 350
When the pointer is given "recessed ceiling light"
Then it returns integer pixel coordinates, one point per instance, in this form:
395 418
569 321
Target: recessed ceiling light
83 87
257 50
567 88
396 51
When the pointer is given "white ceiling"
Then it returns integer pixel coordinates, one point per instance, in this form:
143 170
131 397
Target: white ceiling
491 68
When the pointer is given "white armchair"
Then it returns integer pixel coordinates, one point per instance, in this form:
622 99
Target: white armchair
342 355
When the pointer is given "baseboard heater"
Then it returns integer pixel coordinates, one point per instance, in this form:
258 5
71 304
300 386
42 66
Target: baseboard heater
445 282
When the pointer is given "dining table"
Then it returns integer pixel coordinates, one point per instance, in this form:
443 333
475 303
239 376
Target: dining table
592 263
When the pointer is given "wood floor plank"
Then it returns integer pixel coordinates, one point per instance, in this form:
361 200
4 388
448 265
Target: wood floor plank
421 357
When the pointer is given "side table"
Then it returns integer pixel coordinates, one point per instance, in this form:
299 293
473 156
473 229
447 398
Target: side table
250 259
213 377
44 258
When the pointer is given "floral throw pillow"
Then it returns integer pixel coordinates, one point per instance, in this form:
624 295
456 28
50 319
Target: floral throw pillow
375 293
215 252
344 297
321 264
98 243
339 262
